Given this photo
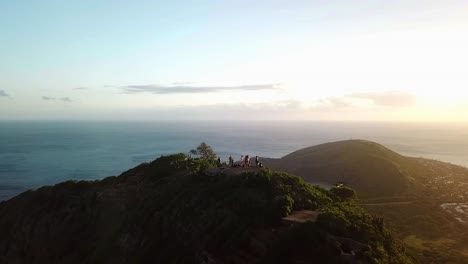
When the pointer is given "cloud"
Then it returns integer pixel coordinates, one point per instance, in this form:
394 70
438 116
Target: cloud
389 98
46 98
185 89
334 102
267 110
3 94
63 99
181 83
80 88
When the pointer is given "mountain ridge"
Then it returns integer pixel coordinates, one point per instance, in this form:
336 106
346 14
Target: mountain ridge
166 205
171 211
368 167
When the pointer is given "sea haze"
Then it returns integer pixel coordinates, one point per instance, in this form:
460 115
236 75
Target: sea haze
33 154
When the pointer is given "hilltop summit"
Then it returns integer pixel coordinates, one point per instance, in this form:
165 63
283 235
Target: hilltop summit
369 168
171 211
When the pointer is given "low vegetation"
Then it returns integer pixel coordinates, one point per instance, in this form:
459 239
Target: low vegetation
171 211
423 201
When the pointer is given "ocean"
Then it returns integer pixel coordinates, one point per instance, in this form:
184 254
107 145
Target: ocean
37 153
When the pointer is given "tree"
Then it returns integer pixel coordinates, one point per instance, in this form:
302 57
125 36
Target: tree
205 152
343 193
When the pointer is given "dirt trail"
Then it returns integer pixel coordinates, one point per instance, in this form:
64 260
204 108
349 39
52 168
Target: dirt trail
232 170
391 203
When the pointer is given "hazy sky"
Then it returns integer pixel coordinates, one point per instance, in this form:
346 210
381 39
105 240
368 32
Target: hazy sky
320 60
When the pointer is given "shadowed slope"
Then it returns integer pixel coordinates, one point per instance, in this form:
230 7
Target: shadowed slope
409 192
369 168
173 211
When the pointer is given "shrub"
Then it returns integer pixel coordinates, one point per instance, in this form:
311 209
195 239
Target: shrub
343 193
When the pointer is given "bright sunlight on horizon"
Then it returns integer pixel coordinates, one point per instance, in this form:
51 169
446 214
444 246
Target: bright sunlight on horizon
272 60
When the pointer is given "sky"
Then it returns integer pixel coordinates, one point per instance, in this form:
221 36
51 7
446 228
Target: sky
273 60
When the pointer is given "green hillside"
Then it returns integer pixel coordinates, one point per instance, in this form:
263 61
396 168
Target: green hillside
171 211
182 210
423 200
369 168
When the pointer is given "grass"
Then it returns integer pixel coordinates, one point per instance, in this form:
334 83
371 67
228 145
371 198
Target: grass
406 191
424 244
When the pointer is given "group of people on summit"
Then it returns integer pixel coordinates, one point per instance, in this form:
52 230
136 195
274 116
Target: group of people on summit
244 162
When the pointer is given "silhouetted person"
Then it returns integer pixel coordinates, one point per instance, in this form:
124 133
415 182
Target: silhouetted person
247 161
257 161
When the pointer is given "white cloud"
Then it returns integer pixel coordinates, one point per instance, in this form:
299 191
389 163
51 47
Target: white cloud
389 99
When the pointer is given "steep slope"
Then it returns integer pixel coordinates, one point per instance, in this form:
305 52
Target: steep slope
369 168
424 200
170 211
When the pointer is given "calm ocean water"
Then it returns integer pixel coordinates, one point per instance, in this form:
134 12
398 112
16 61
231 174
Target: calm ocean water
33 154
